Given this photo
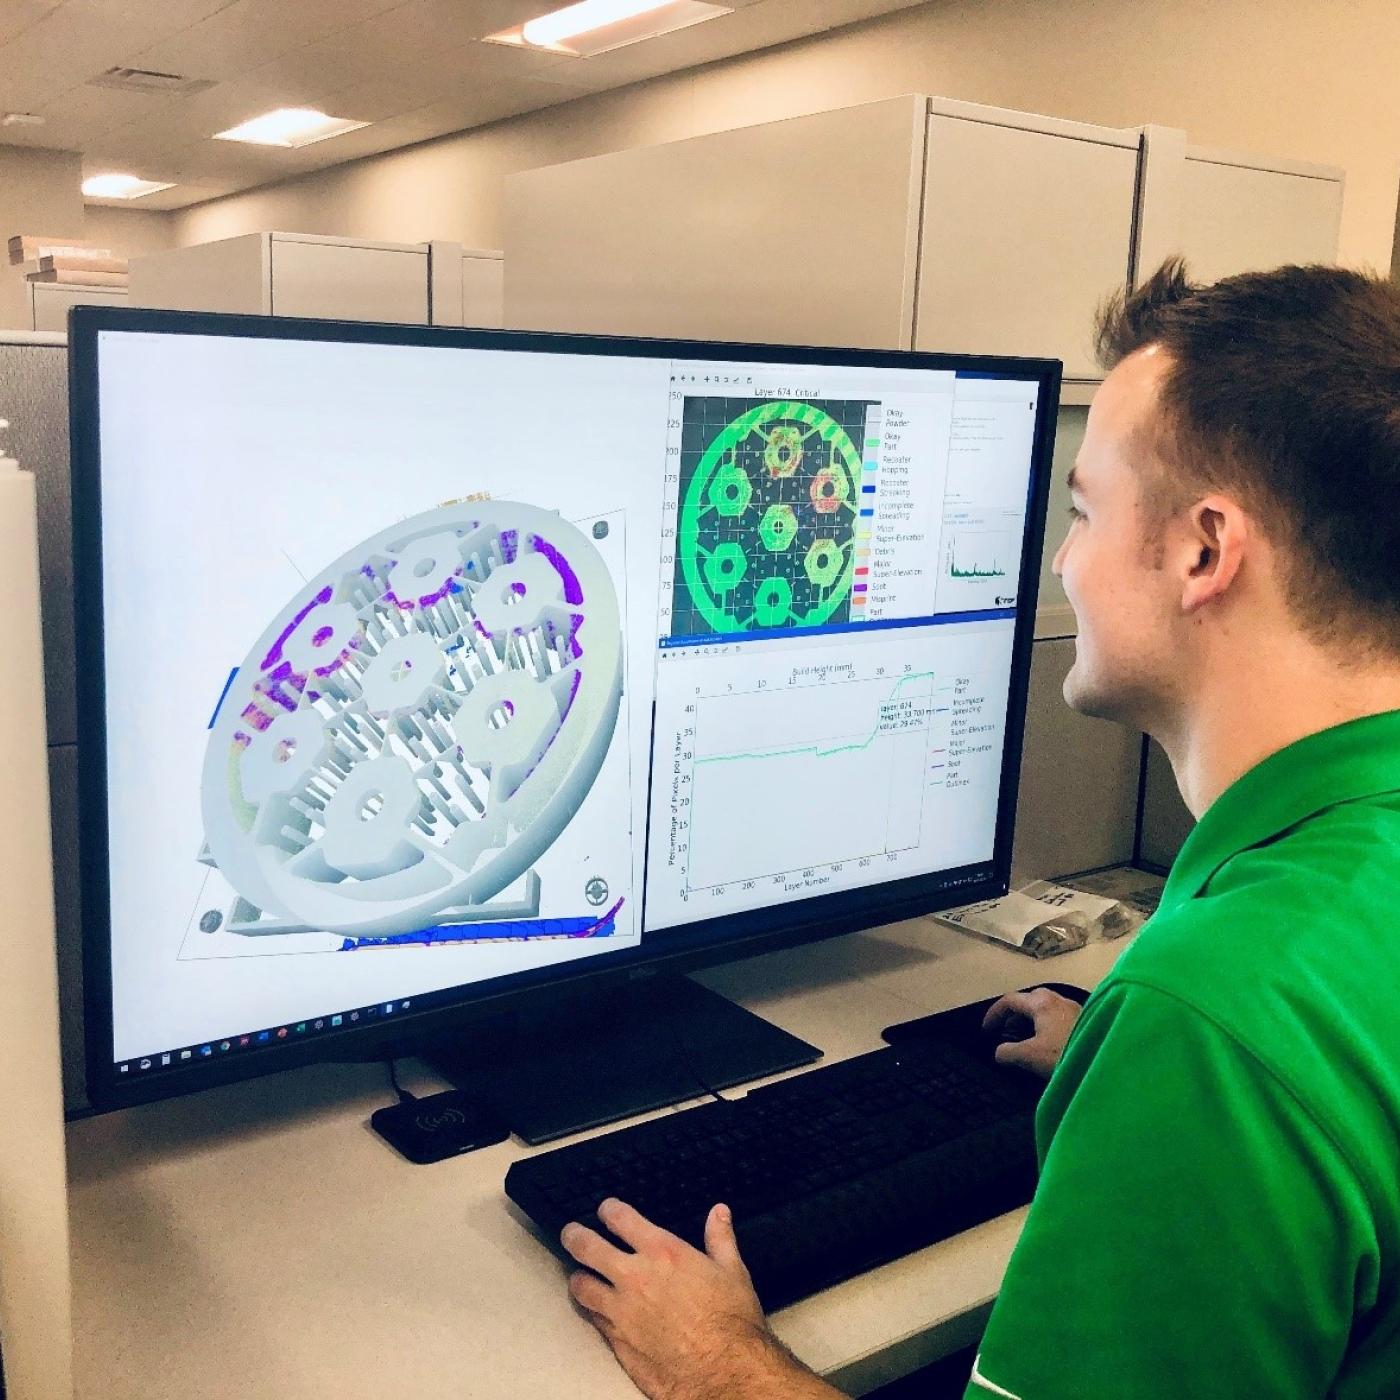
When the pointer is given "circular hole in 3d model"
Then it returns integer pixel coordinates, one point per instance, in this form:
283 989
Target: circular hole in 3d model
424 567
501 715
514 593
371 806
284 751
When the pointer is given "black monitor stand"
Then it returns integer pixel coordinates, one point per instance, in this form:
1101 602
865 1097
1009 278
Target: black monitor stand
563 1067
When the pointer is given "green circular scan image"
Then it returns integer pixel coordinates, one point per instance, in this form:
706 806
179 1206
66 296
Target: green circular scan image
768 515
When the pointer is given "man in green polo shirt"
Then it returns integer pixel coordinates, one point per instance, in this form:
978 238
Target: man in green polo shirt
1218 1212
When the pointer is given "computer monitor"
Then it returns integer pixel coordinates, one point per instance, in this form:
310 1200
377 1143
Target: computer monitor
423 668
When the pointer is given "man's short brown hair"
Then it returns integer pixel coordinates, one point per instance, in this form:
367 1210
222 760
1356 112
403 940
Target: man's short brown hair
1283 388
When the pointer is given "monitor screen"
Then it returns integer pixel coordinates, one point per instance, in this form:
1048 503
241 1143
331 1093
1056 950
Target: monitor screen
427 665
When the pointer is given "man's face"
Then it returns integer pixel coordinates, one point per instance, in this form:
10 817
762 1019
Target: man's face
1128 609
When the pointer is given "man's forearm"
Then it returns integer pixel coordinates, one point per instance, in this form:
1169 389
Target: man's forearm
765 1370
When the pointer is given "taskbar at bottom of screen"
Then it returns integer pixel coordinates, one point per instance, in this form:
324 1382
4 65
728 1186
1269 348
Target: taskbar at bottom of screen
186 1055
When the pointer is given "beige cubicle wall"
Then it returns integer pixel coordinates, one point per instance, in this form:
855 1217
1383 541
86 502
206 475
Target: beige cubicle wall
299 274
34 397
34 1269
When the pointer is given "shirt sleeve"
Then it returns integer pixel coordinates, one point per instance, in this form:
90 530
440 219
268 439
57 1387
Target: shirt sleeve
1193 1233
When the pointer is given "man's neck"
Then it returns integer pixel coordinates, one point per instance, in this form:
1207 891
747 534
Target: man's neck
1262 703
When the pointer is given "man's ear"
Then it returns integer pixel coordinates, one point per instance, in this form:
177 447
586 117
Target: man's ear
1218 537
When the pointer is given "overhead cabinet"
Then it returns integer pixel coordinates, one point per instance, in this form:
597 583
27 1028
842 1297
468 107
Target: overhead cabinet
913 222
48 302
293 274
1237 217
910 223
1226 212
1027 224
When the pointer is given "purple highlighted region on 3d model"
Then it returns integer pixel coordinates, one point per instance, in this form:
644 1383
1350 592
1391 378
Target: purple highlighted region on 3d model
414 730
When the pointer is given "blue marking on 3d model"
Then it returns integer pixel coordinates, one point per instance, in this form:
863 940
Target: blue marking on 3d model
223 695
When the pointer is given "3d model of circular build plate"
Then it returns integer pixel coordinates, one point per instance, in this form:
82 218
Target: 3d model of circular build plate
418 724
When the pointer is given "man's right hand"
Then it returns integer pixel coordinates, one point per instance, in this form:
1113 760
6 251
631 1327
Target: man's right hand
1052 1017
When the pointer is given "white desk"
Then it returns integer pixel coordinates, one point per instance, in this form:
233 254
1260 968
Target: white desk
259 1242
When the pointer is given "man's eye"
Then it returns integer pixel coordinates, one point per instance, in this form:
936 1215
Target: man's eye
1074 513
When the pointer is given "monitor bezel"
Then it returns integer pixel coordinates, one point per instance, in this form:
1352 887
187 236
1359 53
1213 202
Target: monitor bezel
725 938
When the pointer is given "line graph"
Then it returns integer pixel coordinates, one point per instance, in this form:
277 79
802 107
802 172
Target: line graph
817 750
783 770
787 778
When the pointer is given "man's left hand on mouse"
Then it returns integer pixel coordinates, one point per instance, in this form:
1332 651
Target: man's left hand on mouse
685 1325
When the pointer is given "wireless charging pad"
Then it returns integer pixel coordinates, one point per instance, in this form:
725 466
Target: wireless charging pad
439 1126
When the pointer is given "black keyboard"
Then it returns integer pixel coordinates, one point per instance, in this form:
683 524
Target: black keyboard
828 1173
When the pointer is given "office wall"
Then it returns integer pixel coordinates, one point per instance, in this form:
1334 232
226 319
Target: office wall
39 193
1302 78
129 232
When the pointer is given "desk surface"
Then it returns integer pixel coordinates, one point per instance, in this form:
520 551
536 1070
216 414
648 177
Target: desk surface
259 1242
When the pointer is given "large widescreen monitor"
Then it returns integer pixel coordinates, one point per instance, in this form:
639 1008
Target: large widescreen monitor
420 667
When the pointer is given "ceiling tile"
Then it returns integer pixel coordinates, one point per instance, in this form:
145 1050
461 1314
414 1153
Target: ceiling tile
404 49
17 15
95 111
183 195
476 109
62 50
247 33
379 99
197 160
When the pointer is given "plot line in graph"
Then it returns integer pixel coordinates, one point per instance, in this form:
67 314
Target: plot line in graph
816 749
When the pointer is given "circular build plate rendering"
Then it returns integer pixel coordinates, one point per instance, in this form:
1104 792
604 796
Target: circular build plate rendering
418 724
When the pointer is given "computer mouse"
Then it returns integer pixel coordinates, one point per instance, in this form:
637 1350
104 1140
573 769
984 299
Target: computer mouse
963 1024
1015 1027
1018 1026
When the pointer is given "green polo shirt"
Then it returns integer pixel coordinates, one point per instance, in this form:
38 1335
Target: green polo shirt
1218 1213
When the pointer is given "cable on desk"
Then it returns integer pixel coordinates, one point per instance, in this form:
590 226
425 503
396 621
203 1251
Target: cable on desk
404 1095
687 1063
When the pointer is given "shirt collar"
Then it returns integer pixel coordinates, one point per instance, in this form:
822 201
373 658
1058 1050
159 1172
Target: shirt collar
1351 761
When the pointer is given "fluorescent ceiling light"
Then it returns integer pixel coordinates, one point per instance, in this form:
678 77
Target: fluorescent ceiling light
289 127
122 186
595 26
573 20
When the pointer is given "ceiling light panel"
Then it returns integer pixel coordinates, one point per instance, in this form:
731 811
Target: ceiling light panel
573 20
289 127
596 26
121 186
